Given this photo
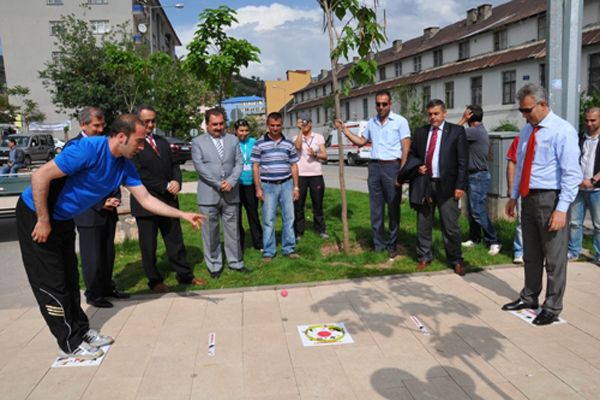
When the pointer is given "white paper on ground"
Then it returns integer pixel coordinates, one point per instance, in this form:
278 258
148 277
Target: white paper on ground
69 362
329 334
529 314
212 344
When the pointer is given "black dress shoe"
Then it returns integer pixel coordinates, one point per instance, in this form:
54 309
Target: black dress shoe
117 294
215 275
545 317
243 269
99 302
519 305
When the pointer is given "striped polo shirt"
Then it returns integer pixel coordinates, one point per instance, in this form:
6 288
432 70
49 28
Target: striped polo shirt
274 157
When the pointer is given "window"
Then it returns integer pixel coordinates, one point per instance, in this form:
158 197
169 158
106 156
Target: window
54 27
449 91
301 96
365 108
398 68
594 73
347 107
509 86
464 50
425 96
541 27
54 2
96 2
500 40
291 119
324 90
382 73
476 90
316 92
543 75
438 57
100 27
318 115
417 64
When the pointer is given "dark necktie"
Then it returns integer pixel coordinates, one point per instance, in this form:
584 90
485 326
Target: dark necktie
150 140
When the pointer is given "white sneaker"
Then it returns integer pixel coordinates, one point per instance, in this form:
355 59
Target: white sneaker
324 235
468 244
518 260
494 249
83 352
95 339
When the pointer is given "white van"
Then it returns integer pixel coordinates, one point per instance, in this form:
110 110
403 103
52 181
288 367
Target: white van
353 154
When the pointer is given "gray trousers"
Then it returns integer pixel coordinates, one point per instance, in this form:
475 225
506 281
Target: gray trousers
211 237
449 213
383 191
540 245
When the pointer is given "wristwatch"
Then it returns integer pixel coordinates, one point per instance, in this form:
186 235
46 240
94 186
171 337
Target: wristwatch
594 182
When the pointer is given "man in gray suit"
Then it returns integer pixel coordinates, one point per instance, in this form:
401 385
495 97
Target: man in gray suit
218 161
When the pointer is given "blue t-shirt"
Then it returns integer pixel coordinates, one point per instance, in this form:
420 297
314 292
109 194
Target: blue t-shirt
92 173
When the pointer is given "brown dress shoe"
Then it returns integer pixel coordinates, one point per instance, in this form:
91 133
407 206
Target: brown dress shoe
422 265
198 282
161 288
459 269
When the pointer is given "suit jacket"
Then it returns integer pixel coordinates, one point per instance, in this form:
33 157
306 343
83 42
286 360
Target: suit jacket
212 170
156 172
97 215
453 157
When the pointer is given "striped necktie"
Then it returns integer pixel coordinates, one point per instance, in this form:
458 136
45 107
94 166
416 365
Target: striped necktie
152 143
219 146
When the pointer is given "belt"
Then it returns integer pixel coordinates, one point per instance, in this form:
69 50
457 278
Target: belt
435 180
396 161
538 191
474 171
278 182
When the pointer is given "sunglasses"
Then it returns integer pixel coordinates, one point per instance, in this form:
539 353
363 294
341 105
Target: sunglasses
527 110
381 104
148 121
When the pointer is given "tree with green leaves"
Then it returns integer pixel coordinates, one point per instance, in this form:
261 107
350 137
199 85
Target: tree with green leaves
361 33
215 57
28 110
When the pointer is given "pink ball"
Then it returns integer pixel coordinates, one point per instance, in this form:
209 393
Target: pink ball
284 293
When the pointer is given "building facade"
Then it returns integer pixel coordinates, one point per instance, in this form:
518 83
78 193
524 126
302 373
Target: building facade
27 34
279 93
242 106
482 59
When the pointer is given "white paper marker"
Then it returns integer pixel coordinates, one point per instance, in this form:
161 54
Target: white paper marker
212 340
419 325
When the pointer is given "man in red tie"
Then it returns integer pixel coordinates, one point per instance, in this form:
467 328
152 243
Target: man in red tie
162 177
547 180
444 150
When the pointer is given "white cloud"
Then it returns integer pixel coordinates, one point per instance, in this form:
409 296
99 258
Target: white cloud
274 16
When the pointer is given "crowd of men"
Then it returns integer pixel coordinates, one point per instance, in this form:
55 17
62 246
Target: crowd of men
548 173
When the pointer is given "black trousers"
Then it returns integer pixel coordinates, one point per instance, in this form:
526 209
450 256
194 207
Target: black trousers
170 229
249 201
51 269
316 185
97 252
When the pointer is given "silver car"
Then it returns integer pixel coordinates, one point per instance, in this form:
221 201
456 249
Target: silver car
36 146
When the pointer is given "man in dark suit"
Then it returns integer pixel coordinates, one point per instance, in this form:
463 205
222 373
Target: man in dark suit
96 227
443 149
162 177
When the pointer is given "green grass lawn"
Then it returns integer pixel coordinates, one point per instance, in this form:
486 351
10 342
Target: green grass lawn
315 264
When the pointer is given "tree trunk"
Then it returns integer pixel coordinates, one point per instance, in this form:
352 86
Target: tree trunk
332 38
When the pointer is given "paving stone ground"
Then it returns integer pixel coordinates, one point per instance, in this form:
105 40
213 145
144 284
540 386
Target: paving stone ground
474 350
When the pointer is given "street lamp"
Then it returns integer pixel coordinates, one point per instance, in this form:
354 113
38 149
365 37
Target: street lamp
150 8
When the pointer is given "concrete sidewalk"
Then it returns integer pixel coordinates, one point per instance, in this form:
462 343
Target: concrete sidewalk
474 351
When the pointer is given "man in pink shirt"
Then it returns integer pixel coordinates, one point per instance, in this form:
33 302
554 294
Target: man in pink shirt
311 148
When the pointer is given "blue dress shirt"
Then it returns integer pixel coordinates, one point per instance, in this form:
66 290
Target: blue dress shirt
555 161
386 139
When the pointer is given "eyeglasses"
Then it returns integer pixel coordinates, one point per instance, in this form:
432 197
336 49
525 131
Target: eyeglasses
381 104
148 121
527 110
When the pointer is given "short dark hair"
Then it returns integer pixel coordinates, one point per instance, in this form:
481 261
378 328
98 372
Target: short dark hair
213 111
384 92
477 113
241 122
13 140
87 113
142 107
274 116
435 103
125 123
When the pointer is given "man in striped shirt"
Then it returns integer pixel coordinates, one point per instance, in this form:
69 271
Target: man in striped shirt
275 170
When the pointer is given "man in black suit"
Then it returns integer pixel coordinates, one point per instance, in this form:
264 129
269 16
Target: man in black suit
443 149
96 227
162 177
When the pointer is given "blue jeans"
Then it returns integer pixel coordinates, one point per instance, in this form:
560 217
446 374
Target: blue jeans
518 240
278 195
13 170
586 199
479 183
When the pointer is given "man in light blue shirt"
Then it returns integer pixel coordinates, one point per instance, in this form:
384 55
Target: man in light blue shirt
389 135
547 179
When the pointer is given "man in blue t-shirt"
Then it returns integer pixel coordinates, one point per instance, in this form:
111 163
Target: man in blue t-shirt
80 176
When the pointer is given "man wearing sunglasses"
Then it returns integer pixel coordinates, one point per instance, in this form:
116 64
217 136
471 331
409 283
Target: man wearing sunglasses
389 135
547 179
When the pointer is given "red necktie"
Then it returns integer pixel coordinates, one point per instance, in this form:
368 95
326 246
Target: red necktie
430 151
527 164
150 140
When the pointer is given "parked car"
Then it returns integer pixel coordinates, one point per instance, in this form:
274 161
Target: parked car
181 151
37 147
353 154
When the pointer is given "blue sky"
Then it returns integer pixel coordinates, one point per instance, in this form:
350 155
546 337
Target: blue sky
289 33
